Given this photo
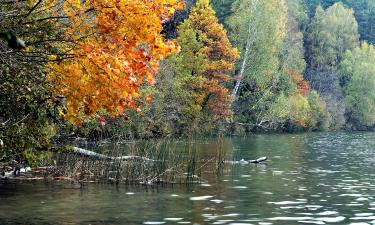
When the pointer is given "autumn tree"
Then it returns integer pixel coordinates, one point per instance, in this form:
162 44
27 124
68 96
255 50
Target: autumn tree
190 95
116 48
96 55
211 59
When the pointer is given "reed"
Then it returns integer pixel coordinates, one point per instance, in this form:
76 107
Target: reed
158 161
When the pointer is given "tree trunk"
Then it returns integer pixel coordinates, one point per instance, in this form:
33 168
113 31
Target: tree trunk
251 35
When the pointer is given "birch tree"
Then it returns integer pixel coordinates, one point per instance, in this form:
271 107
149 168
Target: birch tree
257 29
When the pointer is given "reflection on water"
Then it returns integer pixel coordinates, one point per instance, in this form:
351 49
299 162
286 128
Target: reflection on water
321 178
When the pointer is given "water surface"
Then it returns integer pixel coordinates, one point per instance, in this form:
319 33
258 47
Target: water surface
318 178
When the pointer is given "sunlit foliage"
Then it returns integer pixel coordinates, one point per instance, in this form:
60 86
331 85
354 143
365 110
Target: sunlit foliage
117 47
205 62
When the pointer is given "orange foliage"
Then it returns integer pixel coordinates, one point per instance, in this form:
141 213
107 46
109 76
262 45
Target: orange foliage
117 47
302 85
220 55
219 101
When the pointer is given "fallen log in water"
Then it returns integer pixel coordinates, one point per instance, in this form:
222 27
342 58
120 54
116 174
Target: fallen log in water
13 172
91 154
95 155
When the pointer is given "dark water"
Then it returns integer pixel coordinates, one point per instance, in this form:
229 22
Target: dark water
321 178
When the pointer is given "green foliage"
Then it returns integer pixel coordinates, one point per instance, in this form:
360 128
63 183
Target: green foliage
176 108
266 22
274 93
365 14
364 11
222 9
293 52
261 26
332 32
319 118
288 111
297 113
26 107
297 11
357 75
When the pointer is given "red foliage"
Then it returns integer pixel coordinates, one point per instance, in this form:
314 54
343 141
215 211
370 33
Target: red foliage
302 85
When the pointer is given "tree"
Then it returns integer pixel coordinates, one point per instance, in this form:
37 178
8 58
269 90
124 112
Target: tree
117 47
222 9
364 12
42 37
292 59
293 52
210 57
319 118
190 95
27 112
257 28
298 12
331 33
288 111
357 76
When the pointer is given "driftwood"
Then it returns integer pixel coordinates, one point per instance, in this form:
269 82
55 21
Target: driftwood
94 155
91 154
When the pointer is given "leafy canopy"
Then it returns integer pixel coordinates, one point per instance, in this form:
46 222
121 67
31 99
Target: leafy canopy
357 75
117 47
208 56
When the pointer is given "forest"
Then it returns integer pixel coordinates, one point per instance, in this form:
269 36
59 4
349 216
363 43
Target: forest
138 69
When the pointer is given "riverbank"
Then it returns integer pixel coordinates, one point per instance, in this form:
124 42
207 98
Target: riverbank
143 162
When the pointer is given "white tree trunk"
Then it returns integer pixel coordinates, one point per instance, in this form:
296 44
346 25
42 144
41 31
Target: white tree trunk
251 37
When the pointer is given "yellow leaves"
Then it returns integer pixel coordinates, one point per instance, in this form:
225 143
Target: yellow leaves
180 5
211 57
150 79
118 46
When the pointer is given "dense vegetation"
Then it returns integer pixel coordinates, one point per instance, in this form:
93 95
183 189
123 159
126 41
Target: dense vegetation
164 68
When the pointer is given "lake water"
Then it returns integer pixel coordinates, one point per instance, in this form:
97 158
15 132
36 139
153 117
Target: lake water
314 178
